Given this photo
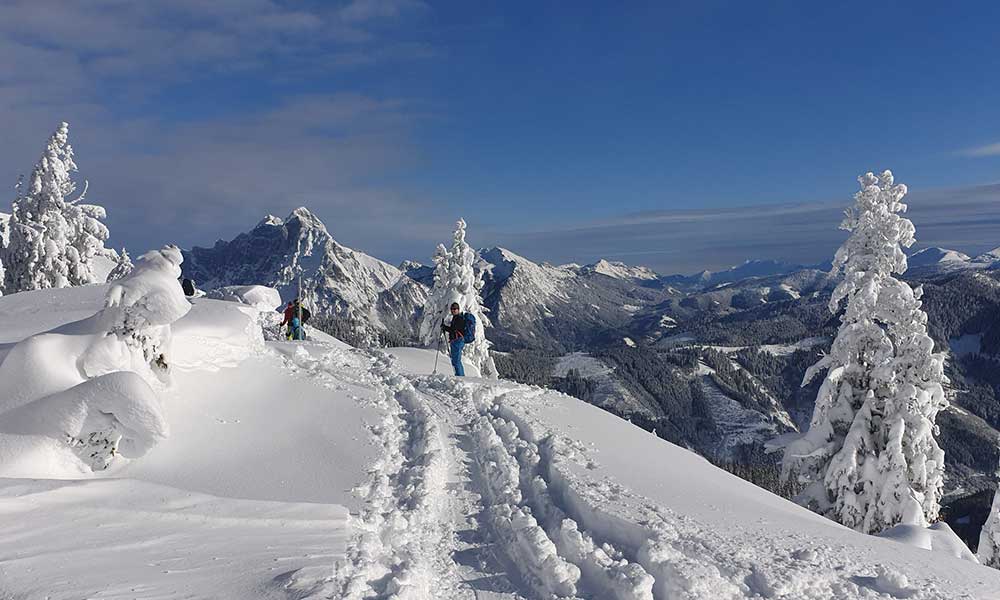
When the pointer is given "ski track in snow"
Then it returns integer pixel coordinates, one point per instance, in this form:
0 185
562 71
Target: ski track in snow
475 498
403 544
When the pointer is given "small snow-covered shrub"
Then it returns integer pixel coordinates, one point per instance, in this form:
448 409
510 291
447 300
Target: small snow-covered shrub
123 266
263 299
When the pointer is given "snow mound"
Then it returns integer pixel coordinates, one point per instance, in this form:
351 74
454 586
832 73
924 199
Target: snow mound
420 361
261 297
87 386
216 334
150 296
110 415
937 538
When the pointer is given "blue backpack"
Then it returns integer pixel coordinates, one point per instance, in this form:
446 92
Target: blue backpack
469 335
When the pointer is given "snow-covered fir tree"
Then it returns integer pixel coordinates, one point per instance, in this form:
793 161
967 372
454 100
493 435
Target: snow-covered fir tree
869 459
53 239
989 537
455 280
123 266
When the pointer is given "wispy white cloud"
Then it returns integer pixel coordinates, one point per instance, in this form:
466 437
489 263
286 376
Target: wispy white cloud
686 241
194 178
359 11
987 150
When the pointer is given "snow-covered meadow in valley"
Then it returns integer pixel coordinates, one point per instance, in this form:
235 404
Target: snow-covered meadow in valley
251 469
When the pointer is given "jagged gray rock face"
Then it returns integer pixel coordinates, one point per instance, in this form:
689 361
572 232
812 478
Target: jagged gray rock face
359 297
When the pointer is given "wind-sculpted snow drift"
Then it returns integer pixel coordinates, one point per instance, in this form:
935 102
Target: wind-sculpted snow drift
74 398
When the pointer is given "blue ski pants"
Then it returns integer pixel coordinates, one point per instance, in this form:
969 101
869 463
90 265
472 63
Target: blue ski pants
456 356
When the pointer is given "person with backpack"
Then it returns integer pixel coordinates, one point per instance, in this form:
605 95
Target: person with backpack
296 331
296 317
461 331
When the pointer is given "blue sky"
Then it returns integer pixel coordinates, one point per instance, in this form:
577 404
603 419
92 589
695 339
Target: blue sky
563 131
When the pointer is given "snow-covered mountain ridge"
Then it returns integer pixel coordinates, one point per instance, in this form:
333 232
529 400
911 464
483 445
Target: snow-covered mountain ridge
461 489
364 296
561 307
620 270
941 261
358 294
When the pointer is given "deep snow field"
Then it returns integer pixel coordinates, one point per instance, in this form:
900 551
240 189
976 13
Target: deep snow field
313 469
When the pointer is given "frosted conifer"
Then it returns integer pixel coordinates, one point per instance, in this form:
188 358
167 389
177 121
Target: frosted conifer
869 459
455 280
53 239
122 267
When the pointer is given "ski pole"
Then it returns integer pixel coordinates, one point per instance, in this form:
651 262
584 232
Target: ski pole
438 352
437 355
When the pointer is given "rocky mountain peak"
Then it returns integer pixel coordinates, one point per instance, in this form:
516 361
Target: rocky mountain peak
360 294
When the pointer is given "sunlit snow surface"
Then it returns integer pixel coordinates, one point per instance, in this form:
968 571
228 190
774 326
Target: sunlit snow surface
455 489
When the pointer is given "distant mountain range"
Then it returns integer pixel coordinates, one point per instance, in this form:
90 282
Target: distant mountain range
560 308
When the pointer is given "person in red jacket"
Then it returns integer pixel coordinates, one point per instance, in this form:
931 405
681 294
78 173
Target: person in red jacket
292 311
289 313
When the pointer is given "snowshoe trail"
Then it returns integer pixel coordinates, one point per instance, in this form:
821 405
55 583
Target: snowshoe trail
550 554
475 496
403 542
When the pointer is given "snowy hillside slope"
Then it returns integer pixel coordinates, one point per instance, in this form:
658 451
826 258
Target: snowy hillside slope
574 514
368 298
317 470
609 393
